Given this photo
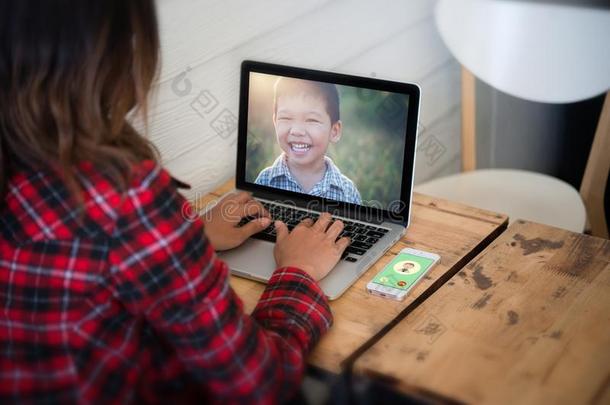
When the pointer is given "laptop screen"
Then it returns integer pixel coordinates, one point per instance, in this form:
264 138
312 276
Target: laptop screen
335 141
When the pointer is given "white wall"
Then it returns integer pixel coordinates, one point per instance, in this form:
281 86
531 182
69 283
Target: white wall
203 42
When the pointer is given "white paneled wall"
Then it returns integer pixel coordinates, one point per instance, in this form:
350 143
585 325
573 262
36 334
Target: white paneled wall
195 103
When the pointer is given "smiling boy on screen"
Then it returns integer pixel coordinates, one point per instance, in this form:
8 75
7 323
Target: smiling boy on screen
306 121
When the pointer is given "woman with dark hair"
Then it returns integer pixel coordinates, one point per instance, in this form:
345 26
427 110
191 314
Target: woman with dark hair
108 293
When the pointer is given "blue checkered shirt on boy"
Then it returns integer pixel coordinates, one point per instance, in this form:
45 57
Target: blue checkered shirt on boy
334 185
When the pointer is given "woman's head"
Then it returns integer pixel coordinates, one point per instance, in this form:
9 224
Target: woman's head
70 71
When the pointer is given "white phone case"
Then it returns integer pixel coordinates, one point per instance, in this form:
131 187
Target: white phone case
396 293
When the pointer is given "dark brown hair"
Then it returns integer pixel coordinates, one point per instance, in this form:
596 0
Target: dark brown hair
70 72
327 91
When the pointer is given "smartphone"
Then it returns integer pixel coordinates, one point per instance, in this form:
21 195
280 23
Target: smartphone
402 273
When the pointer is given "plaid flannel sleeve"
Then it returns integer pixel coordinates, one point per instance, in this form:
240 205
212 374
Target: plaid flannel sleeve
164 270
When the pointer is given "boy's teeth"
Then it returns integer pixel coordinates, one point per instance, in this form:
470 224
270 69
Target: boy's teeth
301 146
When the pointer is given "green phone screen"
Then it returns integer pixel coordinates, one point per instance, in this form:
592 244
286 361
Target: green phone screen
403 271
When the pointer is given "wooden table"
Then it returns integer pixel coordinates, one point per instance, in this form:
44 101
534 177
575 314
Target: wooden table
456 232
527 322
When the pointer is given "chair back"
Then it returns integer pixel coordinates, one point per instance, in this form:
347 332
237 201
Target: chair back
595 179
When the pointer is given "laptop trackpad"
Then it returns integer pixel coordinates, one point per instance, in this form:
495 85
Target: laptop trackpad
254 259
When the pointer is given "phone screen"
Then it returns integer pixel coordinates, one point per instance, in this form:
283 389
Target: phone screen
403 271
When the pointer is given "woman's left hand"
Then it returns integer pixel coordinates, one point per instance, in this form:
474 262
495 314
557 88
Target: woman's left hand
221 221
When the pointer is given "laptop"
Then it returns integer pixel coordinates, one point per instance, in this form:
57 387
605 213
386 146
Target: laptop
361 132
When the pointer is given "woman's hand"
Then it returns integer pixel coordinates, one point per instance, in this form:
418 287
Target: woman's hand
310 247
221 221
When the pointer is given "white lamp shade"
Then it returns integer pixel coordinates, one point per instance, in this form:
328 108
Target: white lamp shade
536 51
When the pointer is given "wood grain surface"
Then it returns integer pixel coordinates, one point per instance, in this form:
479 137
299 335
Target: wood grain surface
527 322
456 232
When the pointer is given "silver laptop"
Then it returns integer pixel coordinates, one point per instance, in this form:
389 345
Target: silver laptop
312 141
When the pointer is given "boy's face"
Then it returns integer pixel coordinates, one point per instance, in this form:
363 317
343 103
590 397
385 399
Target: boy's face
303 127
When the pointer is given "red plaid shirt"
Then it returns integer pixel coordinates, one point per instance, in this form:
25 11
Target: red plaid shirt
131 304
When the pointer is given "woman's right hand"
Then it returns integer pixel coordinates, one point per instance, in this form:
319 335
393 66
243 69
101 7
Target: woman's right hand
310 246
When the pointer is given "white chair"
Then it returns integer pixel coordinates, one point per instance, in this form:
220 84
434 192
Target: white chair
539 52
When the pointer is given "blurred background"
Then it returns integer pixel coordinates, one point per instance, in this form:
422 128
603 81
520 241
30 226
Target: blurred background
194 114
369 151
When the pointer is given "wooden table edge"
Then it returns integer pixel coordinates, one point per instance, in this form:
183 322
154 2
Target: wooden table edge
427 394
347 364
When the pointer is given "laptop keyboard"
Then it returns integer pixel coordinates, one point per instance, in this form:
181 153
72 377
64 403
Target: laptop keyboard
363 236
